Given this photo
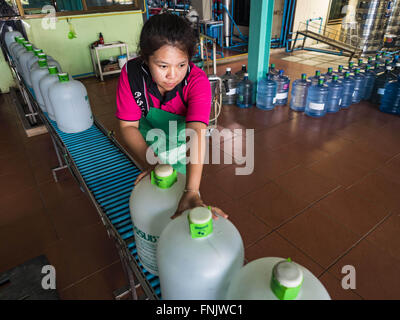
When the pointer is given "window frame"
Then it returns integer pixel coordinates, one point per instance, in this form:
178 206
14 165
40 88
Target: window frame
86 10
332 21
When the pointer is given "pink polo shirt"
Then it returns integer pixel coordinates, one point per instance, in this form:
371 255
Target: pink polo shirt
196 93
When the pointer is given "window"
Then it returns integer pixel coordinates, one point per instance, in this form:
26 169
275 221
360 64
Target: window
337 10
63 7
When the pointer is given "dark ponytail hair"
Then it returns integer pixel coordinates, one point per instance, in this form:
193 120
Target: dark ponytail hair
166 29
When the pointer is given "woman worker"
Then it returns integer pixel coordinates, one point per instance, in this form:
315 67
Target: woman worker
161 86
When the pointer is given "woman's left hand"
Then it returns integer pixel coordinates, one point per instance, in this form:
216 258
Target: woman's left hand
190 200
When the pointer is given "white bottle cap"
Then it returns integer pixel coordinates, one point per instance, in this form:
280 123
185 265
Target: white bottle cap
200 215
228 69
10 28
163 170
288 274
246 74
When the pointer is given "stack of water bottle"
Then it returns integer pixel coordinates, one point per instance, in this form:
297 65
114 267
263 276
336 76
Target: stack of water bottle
275 89
376 81
61 98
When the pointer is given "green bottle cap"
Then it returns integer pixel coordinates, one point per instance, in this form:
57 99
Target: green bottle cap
29 47
63 77
360 61
303 76
321 81
53 69
164 176
273 65
335 77
42 55
369 59
19 39
357 71
330 70
42 63
286 280
318 73
351 64
340 68
347 75
200 222
37 51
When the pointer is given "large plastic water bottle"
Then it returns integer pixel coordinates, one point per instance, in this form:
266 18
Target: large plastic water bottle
9 37
44 85
328 76
369 82
71 105
36 75
244 97
34 58
390 102
317 99
380 82
229 87
18 52
266 92
152 203
350 68
282 89
241 72
348 91
315 79
275 279
198 256
359 86
340 72
334 95
23 58
14 46
299 93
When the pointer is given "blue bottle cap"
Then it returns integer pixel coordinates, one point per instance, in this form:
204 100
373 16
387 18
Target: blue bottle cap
281 72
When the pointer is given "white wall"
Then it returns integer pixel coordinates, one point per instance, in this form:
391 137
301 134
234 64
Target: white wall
310 9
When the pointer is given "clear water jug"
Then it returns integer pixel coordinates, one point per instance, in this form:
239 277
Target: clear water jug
317 99
229 87
152 203
71 105
44 85
266 92
282 89
299 93
348 91
359 86
390 102
380 82
198 256
334 95
315 79
36 75
275 278
244 97
369 82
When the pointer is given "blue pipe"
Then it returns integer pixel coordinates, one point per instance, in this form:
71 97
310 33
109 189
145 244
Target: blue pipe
286 22
283 22
291 19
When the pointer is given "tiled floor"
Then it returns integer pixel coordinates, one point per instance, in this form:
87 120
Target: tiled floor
324 192
319 60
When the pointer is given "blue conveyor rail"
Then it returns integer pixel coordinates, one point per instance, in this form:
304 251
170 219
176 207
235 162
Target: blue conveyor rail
109 175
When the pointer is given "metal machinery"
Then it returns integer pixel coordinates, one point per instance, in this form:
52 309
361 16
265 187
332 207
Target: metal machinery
392 32
370 20
106 172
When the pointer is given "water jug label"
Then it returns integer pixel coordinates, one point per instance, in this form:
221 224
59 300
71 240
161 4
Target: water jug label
286 86
146 245
241 98
274 100
280 96
317 106
340 102
231 92
381 91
